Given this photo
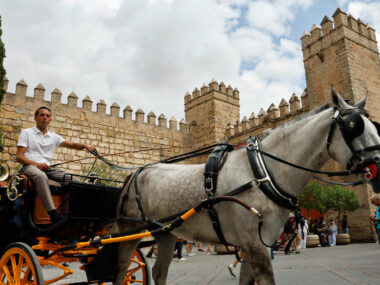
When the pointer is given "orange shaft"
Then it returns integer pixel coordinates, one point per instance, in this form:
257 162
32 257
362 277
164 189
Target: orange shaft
184 217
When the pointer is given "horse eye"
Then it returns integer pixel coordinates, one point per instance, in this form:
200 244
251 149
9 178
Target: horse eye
376 158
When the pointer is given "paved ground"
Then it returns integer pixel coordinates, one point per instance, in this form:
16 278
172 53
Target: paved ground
350 264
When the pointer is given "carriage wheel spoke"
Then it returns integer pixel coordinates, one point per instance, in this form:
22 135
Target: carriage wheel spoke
8 274
26 276
14 269
18 271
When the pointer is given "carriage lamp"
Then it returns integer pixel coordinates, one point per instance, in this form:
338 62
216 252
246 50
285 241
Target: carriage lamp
4 170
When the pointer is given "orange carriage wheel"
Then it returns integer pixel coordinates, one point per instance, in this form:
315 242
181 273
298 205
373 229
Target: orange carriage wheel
19 265
138 270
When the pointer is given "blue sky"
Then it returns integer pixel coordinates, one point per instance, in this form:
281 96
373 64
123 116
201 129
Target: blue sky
148 53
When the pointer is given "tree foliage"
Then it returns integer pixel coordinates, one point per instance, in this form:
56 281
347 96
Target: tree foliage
341 199
2 75
2 70
315 196
105 173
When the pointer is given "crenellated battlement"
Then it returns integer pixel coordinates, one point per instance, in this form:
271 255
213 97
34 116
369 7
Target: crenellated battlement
22 100
212 91
332 31
271 118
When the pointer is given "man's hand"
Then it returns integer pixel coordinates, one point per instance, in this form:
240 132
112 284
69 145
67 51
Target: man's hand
43 166
89 148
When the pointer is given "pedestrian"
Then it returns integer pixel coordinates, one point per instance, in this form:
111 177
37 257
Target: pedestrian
333 230
208 251
302 232
290 233
178 246
375 200
345 224
35 150
189 248
232 266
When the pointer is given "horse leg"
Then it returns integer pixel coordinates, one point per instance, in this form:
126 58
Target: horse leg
166 243
124 255
256 266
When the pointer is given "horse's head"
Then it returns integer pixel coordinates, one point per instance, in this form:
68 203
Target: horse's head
358 143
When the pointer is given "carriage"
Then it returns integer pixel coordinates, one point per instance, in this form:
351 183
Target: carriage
29 242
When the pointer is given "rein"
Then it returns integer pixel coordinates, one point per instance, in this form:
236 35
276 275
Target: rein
97 155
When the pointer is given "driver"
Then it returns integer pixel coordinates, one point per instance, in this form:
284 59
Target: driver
35 150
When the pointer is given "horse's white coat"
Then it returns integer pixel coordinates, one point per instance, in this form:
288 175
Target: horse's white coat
169 189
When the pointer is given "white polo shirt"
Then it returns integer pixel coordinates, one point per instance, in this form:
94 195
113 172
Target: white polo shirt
39 147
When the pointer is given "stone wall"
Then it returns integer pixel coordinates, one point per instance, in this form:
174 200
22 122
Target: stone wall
109 133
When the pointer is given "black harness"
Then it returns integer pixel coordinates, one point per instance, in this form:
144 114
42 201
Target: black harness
264 177
212 167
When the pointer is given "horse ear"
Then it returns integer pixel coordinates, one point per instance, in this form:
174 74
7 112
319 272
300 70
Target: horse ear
337 100
362 102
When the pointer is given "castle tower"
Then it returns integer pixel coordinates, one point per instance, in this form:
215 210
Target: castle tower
343 53
209 110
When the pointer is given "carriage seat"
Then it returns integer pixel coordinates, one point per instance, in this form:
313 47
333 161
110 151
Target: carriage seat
56 188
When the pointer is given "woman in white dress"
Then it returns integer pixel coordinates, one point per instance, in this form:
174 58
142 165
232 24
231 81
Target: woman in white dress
333 230
302 232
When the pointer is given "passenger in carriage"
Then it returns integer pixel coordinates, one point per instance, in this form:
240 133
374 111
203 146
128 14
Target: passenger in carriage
35 150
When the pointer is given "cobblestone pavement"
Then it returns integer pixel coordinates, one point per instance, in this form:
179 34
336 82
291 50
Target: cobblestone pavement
349 264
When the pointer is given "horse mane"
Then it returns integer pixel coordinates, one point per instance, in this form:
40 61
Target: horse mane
297 119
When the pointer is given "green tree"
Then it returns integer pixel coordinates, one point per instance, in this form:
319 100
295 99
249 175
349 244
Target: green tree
315 196
312 197
2 70
106 175
2 75
341 200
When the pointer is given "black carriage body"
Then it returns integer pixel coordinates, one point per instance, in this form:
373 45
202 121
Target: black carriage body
91 202
88 208
10 220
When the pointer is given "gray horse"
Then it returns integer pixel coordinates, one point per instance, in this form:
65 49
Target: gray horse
167 189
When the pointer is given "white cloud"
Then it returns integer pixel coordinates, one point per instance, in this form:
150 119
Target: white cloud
274 16
147 53
368 12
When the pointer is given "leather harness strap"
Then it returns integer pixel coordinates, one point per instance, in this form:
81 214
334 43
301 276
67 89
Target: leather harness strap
212 167
265 179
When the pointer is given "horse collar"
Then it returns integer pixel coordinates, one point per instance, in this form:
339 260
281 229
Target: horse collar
265 179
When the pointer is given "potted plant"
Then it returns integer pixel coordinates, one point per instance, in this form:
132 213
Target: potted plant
310 199
341 200
325 198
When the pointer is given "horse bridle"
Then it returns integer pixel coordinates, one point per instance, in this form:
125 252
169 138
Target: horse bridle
351 127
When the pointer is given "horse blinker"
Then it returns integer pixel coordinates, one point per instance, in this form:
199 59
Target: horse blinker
377 125
353 125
